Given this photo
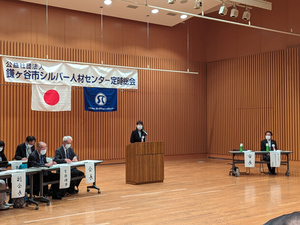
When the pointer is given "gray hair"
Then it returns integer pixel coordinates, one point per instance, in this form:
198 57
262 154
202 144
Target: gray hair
65 138
40 143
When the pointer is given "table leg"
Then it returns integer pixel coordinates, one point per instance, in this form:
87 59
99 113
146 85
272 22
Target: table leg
287 165
30 199
232 171
94 185
42 198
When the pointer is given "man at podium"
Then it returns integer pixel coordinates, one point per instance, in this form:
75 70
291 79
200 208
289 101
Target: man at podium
138 135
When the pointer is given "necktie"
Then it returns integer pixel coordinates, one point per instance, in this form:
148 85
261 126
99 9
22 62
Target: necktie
28 151
41 160
67 154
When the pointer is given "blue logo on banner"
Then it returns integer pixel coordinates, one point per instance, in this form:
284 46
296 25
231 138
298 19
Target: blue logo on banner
100 99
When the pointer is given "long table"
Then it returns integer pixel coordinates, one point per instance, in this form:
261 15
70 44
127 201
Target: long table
57 168
41 170
29 173
235 172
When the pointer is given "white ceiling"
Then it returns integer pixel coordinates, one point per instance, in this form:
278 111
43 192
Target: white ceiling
120 9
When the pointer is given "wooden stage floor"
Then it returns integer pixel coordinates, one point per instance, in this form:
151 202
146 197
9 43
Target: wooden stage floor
195 191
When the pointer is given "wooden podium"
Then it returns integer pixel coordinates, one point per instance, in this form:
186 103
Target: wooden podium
144 162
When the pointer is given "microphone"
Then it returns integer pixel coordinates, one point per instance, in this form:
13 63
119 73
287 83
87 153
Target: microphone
145 132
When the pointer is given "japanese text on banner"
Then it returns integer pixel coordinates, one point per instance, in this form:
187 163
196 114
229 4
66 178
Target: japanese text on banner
18 181
90 172
275 158
71 74
249 159
65 176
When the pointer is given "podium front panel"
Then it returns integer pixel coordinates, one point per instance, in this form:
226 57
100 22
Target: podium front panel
145 162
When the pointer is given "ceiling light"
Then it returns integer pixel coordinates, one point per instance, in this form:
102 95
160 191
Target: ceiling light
223 10
154 11
107 2
246 15
198 4
171 1
234 12
183 17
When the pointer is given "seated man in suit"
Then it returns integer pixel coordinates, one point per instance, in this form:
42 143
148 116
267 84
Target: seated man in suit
272 146
66 154
138 135
38 159
25 149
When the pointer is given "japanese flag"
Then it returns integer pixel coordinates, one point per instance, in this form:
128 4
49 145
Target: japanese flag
51 98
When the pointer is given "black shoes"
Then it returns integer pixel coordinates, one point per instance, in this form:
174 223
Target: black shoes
56 197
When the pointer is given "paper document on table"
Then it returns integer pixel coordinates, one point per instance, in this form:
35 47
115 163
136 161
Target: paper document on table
65 176
275 158
18 181
249 159
89 172
15 164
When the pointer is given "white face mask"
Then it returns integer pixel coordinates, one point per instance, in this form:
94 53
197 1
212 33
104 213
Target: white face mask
268 137
67 146
1 149
43 152
139 127
29 146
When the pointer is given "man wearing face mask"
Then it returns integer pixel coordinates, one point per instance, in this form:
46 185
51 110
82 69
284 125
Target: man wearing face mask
38 159
25 149
66 154
272 146
138 135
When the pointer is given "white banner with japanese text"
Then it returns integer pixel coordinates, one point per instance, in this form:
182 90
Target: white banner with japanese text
249 159
18 181
65 176
90 172
275 158
71 74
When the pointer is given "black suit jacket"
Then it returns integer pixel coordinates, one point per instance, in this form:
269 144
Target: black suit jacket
2 155
21 151
34 160
60 154
135 137
263 145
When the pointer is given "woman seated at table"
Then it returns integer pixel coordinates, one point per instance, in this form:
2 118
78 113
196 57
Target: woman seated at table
3 204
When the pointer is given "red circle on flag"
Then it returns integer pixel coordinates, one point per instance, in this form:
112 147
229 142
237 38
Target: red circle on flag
51 97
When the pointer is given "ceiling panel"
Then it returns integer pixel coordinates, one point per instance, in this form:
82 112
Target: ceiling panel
137 9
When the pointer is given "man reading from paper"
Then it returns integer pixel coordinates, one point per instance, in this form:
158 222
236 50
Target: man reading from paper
38 159
25 149
66 154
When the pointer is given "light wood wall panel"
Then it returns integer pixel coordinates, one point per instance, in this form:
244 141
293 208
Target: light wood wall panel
247 96
224 41
171 105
